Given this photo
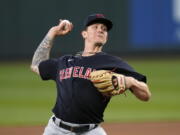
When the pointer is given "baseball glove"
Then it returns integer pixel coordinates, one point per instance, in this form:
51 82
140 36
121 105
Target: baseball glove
108 83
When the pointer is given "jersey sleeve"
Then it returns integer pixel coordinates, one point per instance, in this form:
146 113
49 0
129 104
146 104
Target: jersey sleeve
126 69
134 74
120 66
48 69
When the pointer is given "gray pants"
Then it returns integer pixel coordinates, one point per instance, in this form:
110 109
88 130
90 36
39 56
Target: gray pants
53 129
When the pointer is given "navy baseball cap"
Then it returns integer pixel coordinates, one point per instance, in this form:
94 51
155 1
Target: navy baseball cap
98 18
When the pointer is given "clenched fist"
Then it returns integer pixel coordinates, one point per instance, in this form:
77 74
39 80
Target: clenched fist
63 28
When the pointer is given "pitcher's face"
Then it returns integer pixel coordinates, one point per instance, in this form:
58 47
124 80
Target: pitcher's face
96 33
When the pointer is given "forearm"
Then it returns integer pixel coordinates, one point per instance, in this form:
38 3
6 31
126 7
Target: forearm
138 88
42 52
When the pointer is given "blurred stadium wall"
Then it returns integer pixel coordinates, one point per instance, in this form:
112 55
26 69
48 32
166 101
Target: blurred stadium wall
140 26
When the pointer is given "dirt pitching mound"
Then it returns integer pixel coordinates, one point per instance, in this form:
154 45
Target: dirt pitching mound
165 128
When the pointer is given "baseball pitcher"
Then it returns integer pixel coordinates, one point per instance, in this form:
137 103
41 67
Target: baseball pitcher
85 82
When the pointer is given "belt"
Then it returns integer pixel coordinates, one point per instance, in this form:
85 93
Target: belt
76 129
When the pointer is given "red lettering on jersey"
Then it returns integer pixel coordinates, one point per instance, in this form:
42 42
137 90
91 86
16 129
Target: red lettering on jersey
88 71
61 74
75 71
81 72
68 72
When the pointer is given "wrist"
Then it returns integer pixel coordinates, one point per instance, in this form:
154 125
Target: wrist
51 33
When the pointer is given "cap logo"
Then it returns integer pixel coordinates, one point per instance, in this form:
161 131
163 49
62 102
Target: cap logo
99 15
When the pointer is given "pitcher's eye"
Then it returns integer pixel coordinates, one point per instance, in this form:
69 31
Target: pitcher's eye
95 27
104 28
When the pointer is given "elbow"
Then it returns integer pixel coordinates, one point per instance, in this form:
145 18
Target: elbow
31 67
140 90
146 96
143 94
34 69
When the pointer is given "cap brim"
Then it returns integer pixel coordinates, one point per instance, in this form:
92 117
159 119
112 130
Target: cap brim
104 21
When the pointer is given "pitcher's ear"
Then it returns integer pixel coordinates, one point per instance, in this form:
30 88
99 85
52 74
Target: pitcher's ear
84 34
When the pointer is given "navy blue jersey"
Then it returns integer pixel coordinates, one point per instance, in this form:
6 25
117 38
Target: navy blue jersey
78 101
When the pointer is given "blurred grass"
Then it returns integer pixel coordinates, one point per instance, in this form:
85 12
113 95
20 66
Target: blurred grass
26 100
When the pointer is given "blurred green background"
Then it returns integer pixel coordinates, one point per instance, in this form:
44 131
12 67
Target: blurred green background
26 100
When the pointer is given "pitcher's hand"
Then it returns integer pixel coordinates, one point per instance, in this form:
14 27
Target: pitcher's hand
63 28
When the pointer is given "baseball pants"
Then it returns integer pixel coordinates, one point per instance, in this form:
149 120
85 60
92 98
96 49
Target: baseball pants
52 128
